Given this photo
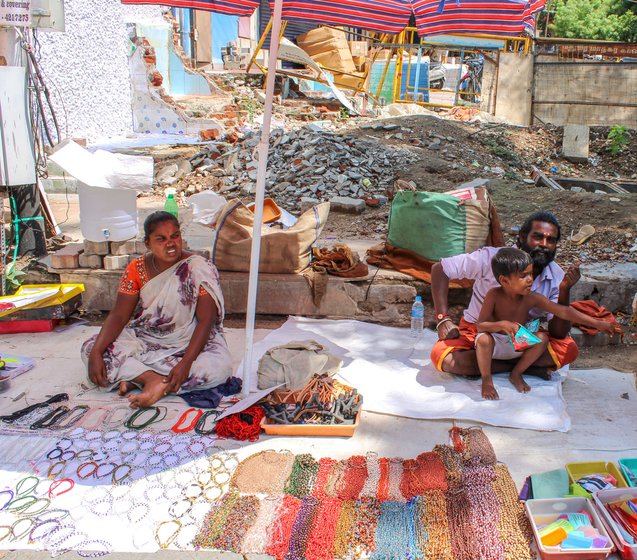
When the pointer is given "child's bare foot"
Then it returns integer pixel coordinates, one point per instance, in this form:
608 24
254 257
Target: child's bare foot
488 392
539 371
125 387
518 382
154 389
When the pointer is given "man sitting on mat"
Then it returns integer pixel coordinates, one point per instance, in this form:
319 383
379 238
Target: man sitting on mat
455 350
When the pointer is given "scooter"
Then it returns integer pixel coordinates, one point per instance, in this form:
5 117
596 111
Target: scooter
437 75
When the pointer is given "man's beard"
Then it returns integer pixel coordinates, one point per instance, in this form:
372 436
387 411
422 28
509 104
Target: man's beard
540 256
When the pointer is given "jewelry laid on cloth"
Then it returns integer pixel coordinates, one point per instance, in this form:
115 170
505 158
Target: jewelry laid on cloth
51 419
55 399
157 412
201 428
179 427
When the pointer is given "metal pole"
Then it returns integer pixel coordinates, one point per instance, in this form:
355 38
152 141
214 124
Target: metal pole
264 145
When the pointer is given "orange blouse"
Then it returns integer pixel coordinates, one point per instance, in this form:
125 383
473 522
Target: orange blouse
135 277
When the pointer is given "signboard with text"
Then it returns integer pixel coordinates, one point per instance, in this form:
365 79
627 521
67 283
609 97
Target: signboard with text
15 13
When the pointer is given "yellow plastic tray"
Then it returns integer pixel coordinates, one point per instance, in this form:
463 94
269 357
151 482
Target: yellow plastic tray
578 470
64 293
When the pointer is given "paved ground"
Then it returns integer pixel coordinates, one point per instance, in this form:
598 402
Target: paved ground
601 405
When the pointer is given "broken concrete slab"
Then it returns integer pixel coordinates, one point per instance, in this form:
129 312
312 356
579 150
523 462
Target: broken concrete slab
612 285
347 205
598 340
575 143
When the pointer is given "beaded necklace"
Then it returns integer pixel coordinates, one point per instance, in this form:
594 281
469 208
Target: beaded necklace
215 521
395 470
344 529
485 509
383 480
513 527
243 514
326 464
301 480
320 543
354 478
282 528
263 473
363 537
393 537
434 540
260 533
302 528
373 476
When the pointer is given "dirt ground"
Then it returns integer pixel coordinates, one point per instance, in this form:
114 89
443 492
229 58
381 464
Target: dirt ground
508 152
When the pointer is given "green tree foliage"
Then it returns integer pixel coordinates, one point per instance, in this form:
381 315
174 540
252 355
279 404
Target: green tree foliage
609 20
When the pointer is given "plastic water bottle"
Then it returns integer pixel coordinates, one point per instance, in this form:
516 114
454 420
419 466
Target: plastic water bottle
171 205
417 318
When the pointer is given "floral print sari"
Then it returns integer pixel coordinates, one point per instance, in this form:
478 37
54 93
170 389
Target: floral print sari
163 324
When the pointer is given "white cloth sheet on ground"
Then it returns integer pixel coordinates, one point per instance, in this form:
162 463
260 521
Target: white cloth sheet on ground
395 376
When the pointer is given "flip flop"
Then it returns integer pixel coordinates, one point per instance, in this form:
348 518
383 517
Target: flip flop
586 232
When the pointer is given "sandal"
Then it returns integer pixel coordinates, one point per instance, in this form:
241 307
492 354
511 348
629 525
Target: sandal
586 232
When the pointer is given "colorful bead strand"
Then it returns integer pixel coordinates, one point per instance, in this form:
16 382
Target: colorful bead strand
514 527
215 521
325 470
435 540
370 488
354 479
321 541
243 514
259 534
394 535
301 480
302 528
282 529
344 530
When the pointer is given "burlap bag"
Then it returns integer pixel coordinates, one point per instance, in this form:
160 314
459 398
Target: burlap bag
282 251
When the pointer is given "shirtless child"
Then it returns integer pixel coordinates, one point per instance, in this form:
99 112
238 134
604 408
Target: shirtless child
505 309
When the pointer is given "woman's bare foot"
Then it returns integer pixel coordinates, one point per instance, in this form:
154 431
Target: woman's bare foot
125 387
153 389
518 382
488 391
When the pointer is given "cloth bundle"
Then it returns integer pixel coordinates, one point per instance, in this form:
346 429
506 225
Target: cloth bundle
294 363
593 309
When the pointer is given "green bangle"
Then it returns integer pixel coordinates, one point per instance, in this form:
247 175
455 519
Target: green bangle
130 423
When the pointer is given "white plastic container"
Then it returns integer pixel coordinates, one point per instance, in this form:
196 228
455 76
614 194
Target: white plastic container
107 214
626 551
541 512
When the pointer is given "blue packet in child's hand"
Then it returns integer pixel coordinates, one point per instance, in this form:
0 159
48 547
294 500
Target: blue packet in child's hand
533 326
523 339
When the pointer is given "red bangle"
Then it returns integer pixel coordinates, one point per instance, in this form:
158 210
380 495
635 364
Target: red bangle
178 429
57 483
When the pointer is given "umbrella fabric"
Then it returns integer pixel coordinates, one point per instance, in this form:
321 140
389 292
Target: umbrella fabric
433 17
495 17
232 7
385 16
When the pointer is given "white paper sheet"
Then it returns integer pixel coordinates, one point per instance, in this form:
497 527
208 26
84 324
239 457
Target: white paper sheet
397 378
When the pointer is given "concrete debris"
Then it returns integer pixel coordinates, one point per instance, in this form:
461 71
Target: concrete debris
306 164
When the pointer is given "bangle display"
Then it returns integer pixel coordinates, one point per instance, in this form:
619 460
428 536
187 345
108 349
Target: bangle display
131 425
200 427
178 428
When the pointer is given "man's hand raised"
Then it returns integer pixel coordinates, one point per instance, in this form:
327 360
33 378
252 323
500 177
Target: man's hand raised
571 277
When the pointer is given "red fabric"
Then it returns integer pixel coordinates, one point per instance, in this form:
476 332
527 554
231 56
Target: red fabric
563 350
243 426
593 309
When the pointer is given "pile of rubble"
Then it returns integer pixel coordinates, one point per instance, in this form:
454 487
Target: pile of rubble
305 166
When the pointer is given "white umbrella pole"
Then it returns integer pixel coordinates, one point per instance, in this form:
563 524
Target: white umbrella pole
260 194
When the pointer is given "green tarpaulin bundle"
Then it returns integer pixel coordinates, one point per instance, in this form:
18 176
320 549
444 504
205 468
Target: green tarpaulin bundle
436 225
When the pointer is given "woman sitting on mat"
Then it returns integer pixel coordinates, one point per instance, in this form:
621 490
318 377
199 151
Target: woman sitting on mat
174 342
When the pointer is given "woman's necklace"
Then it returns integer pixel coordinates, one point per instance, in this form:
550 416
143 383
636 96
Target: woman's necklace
152 261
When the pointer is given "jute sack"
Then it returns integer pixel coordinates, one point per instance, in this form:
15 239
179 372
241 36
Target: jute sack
283 251
437 225
294 363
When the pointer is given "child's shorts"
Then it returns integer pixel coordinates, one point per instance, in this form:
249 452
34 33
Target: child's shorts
502 347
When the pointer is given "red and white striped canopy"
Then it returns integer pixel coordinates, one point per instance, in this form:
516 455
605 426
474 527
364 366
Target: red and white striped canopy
433 17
